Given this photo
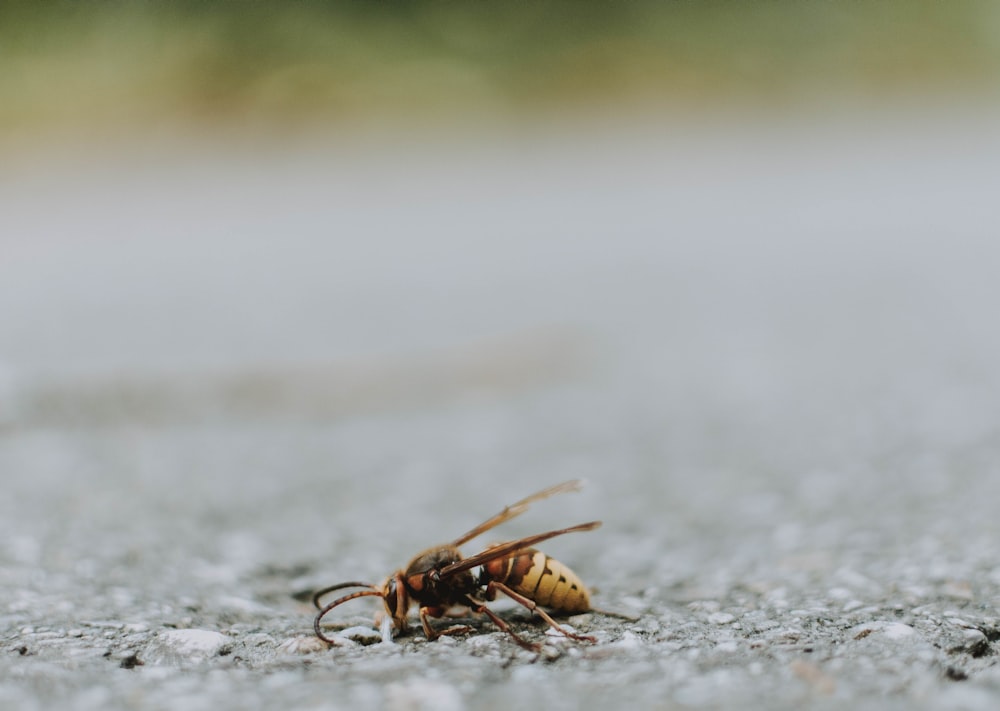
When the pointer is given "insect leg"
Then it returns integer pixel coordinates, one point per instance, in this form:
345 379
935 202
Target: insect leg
504 627
428 612
494 587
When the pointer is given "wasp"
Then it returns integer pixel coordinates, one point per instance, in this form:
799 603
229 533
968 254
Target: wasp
440 579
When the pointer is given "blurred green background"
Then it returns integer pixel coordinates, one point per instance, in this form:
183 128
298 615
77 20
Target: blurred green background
99 67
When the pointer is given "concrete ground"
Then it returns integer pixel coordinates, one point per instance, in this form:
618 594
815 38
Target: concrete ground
232 375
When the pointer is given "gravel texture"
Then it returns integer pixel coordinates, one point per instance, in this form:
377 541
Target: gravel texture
230 378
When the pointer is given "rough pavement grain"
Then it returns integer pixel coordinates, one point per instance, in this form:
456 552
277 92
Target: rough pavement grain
776 365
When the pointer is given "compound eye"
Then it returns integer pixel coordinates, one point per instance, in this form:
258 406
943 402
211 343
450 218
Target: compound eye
389 596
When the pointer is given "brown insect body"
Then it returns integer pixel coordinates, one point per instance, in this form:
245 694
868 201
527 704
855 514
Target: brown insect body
425 587
440 578
541 578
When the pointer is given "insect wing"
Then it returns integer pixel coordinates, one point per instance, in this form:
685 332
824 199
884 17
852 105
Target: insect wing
517 509
509 548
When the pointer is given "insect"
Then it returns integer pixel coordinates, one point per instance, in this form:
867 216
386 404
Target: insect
439 579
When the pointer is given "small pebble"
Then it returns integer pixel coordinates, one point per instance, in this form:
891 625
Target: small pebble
970 641
483 641
550 653
420 693
174 646
704 606
897 630
629 640
957 589
361 635
310 644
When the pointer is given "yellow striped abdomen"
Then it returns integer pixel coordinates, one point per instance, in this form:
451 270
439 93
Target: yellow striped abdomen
542 579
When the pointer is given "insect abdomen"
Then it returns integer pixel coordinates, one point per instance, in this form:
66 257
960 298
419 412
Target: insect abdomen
543 579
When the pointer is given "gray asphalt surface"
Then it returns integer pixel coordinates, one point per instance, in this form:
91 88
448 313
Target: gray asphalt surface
234 374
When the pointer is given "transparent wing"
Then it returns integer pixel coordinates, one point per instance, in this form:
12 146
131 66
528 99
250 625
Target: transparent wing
510 547
517 509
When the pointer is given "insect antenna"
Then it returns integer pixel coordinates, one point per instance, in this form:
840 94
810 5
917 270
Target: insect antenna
339 586
340 601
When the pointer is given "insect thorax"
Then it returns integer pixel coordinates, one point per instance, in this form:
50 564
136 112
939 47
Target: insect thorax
432 559
452 590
